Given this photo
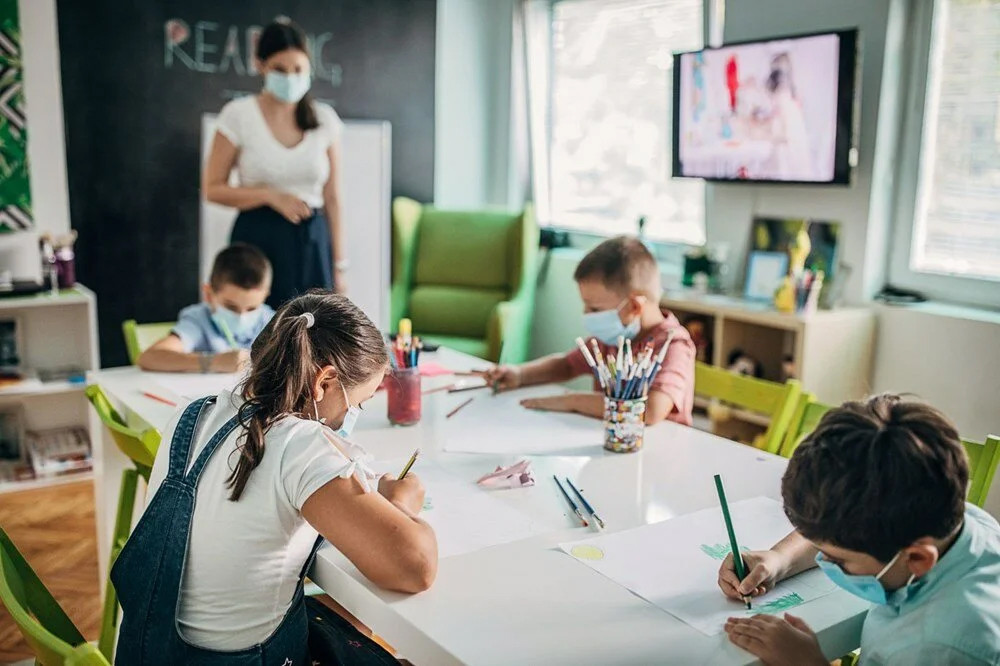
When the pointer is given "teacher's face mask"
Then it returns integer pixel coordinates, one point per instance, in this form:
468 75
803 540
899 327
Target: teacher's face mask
289 88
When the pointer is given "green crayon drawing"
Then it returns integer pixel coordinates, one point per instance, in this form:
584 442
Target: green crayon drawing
428 504
718 551
778 605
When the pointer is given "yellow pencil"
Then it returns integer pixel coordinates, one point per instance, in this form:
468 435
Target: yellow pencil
406 469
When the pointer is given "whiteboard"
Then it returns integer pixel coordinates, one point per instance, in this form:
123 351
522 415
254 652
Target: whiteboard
365 192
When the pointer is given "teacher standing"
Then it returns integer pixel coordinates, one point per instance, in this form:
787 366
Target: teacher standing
285 148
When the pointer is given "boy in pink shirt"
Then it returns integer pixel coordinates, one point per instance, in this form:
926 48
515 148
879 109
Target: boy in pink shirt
619 283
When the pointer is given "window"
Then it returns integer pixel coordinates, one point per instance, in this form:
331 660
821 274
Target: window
610 107
947 239
957 226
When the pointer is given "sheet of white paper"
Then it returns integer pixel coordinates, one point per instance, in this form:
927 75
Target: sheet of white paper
674 564
502 425
190 386
464 516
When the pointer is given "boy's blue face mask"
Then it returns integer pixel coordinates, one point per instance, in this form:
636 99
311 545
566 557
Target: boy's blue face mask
234 325
867 587
607 327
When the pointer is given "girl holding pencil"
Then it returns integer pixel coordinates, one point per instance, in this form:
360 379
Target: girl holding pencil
219 580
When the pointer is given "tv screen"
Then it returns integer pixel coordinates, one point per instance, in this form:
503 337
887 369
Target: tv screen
779 110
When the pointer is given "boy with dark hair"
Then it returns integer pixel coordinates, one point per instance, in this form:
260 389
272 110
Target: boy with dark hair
619 282
215 335
877 498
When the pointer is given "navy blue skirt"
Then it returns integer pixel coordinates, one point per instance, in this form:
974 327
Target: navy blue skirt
301 255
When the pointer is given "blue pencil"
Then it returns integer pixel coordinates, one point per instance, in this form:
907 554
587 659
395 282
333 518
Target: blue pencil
586 504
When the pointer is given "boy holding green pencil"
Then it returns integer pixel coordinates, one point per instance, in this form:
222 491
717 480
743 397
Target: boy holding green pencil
877 497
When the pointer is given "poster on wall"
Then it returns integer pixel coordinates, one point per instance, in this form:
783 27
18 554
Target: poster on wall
15 192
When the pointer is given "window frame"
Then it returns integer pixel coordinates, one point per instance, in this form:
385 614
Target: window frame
977 291
712 15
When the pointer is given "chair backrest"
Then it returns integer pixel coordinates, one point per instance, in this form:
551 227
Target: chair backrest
139 446
805 418
46 628
777 401
139 337
983 459
456 265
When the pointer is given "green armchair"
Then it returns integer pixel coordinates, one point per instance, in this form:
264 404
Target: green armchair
465 279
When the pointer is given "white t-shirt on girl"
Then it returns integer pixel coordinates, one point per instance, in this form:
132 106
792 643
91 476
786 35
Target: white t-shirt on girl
263 161
244 557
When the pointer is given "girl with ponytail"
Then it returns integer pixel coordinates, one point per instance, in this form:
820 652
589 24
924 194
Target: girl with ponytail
245 487
285 148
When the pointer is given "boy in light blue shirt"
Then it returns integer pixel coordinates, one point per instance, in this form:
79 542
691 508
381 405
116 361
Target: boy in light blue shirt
877 497
215 335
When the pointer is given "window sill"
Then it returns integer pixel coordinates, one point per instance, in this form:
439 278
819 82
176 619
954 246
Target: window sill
949 310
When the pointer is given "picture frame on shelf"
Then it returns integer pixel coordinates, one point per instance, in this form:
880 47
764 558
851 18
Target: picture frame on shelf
765 271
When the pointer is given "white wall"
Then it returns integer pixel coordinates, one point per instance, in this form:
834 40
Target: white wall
44 108
949 356
472 102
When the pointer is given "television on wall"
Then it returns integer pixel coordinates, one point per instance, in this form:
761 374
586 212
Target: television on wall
779 110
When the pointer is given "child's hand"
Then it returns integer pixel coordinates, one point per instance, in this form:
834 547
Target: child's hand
776 641
552 403
230 361
767 567
408 493
289 206
504 377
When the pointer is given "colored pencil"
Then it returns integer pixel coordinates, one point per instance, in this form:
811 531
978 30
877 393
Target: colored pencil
406 470
460 389
586 504
738 564
455 411
153 396
572 504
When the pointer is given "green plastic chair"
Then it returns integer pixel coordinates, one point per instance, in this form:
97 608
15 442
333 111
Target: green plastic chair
465 279
776 401
46 628
141 448
139 337
983 459
806 417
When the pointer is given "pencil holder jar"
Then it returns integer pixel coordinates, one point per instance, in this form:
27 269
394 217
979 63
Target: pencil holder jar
403 393
624 424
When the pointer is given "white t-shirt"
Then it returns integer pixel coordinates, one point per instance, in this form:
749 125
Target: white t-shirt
301 170
244 557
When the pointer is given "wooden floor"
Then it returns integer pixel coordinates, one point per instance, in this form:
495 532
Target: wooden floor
54 528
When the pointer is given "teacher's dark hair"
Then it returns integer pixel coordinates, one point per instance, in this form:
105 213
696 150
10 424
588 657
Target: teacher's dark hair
284 360
281 35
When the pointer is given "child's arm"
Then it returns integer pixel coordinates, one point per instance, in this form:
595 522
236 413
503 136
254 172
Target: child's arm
378 531
548 369
790 556
673 389
169 355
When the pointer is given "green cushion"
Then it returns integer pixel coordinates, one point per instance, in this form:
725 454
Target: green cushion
471 346
453 310
467 249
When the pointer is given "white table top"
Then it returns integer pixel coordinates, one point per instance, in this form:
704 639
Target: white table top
526 602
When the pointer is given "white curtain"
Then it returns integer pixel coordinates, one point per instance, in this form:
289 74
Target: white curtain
530 70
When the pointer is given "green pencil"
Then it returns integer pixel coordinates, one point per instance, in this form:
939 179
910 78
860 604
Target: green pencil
738 564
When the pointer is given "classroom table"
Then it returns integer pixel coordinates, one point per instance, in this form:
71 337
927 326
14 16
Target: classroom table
526 601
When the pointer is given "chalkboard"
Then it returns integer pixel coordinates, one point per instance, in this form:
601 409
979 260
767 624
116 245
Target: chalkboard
136 79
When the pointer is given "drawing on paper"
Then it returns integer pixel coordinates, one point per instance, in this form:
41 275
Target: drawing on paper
778 605
428 504
586 552
719 551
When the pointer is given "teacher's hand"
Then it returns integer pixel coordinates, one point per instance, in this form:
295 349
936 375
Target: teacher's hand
289 206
